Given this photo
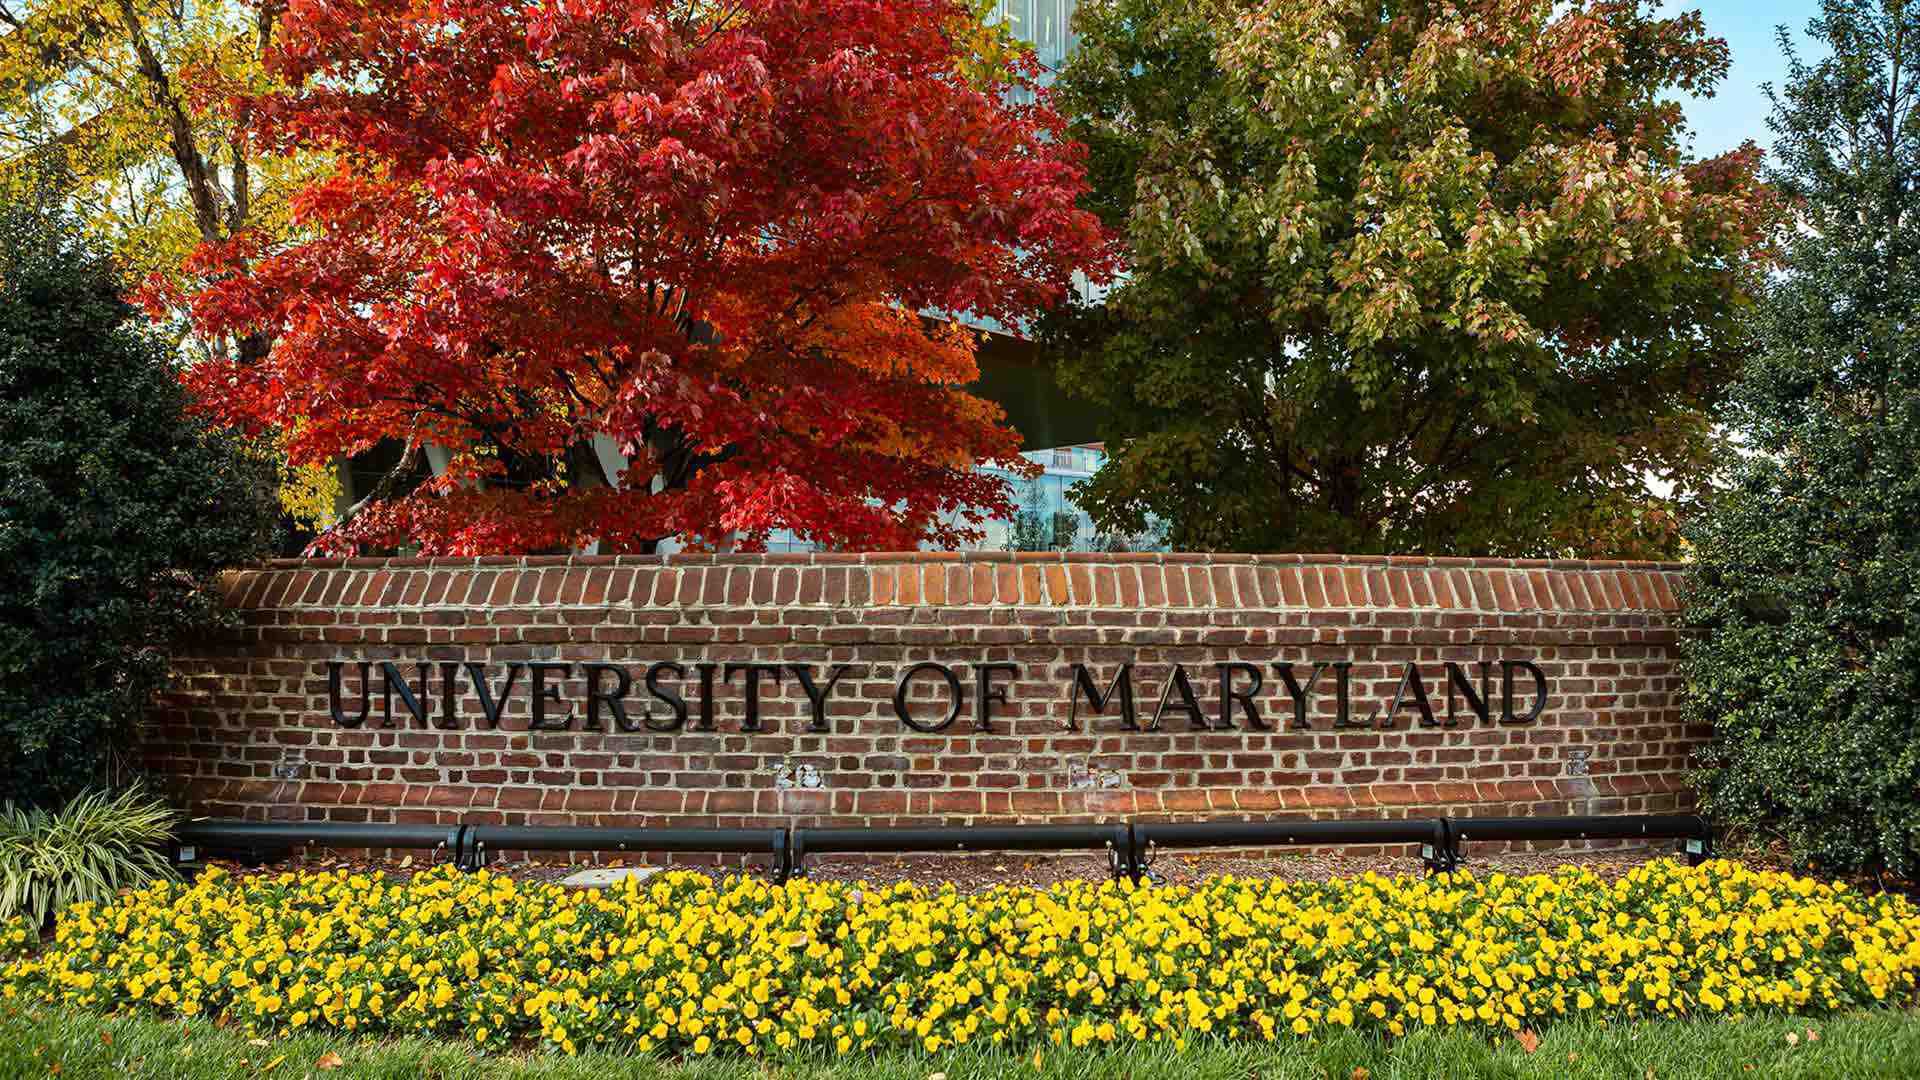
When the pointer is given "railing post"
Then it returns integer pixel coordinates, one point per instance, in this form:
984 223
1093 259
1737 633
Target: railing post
797 853
1699 848
1442 853
783 858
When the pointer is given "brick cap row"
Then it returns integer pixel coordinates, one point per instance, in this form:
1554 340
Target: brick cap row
894 558
1154 582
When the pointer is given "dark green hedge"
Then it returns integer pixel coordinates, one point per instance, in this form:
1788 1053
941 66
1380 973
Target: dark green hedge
116 509
1807 592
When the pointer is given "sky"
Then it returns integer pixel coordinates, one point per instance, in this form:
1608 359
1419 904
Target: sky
1738 111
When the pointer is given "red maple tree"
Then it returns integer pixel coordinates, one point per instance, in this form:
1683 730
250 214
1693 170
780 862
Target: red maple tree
705 232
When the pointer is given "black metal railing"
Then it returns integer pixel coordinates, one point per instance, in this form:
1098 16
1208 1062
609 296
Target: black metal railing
1130 847
480 841
1113 839
262 841
1429 833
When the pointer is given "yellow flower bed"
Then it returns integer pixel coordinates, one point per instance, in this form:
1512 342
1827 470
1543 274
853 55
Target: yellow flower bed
681 963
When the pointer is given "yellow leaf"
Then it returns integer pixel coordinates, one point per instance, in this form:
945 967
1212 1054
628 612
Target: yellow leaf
328 1061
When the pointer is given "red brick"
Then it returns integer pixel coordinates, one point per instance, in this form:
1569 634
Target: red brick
1056 576
1612 660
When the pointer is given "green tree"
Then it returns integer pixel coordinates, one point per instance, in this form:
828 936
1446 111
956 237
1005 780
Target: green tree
131 94
1407 277
132 99
116 509
1808 579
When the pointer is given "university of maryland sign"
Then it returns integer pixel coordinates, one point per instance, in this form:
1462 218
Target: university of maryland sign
623 698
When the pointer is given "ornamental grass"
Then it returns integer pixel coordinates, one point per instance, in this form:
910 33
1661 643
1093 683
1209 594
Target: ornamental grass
684 964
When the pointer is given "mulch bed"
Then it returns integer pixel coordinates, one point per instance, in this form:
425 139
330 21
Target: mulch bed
976 872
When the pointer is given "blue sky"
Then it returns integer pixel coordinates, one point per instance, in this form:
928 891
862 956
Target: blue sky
1739 110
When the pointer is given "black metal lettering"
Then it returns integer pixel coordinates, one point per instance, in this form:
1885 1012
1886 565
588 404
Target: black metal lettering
1457 680
1229 697
986 691
672 697
754 673
1299 693
1188 703
333 694
610 699
1506 691
817 695
543 694
900 696
490 708
421 707
1122 684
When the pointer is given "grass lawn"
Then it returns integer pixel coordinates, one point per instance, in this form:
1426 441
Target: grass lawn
1879 1044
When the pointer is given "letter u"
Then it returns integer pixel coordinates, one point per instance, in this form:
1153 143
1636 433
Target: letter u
333 694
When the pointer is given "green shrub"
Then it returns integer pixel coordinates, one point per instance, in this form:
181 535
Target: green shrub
89 849
117 508
1807 588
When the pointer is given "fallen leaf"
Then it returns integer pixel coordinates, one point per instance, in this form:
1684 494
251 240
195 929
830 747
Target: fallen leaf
1793 1039
1812 1035
258 1042
406 862
329 1060
1528 1040
938 1076
1360 1072
269 1065
107 1037
1571 1056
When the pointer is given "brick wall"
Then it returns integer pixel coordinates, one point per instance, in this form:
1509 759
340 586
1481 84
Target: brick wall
247 729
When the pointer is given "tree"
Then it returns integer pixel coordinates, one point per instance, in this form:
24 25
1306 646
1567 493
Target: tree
1807 583
116 509
128 98
705 239
1412 277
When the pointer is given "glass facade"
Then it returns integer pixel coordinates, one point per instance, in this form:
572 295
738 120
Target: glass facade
1045 516
1046 24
